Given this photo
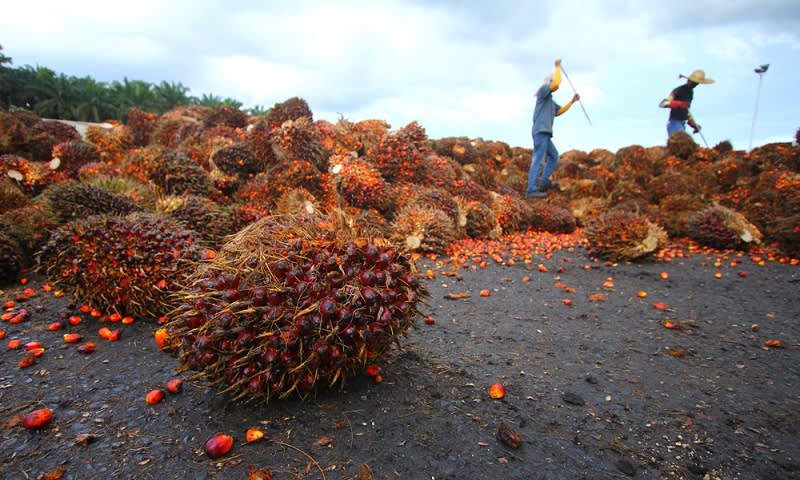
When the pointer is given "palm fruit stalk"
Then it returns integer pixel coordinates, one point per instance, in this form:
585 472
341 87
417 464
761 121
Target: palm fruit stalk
624 235
131 264
291 304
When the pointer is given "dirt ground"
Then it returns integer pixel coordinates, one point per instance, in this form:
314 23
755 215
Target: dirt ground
598 389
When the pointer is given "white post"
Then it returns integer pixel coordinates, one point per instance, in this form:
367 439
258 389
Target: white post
760 71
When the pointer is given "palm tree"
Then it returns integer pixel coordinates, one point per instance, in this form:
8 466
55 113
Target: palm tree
54 94
169 95
93 101
259 110
132 93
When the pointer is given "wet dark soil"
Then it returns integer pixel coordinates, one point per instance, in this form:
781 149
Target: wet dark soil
598 389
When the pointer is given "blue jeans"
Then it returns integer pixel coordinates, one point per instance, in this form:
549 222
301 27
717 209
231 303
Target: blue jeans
542 147
675 126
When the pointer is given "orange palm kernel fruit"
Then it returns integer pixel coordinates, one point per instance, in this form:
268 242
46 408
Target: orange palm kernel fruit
37 418
497 391
88 347
154 396
72 337
175 385
253 435
218 445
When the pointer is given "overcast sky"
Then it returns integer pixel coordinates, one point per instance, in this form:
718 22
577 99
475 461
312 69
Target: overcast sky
459 68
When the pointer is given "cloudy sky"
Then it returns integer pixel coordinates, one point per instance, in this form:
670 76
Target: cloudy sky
459 68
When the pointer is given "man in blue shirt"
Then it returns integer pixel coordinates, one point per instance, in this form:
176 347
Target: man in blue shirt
543 114
679 101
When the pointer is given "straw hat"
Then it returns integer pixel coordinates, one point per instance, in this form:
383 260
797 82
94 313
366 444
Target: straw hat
699 76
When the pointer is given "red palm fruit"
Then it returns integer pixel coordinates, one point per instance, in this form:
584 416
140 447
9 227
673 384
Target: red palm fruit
74 320
14 344
37 352
115 317
87 347
33 345
104 333
175 385
2 334
55 326
161 338
218 445
154 396
127 320
72 337
37 418
114 335
85 308
27 361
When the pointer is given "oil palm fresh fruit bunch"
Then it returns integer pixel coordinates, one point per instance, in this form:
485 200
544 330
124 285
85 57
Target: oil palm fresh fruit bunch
29 226
298 201
399 154
171 133
46 134
471 190
509 211
299 139
31 177
70 156
14 134
674 212
131 264
11 258
440 171
112 142
290 109
228 116
213 221
624 235
259 140
288 175
238 160
359 183
681 145
142 125
291 305
423 228
94 170
178 174
722 228
73 200
479 220
140 163
258 191
433 197
459 149
548 218
11 196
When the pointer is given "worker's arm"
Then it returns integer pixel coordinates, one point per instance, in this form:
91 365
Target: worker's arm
670 102
556 80
563 109
693 124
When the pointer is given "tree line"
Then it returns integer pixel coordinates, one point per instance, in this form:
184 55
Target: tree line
67 97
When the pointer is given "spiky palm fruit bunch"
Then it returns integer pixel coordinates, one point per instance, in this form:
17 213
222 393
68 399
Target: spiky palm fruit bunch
288 175
11 258
359 183
70 156
339 138
549 218
287 308
29 226
723 147
775 195
94 170
681 145
482 174
211 222
227 184
656 155
672 182
142 194
703 155
131 264
572 165
459 149
290 109
243 214
202 145
399 154
469 189
31 177
369 222
422 228
72 200
259 139
722 228
14 134
258 191
776 156
440 171
142 125
45 134
140 163
437 198
227 116
297 202
479 220
178 174
11 196
237 160
509 211
624 235
500 155
674 212
112 142
172 133
730 170
299 139
785 231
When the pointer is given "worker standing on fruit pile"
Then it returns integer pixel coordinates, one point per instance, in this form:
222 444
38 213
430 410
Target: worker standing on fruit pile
679 101
544 151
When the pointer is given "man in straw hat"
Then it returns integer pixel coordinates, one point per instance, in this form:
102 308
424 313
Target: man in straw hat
544 152
679 101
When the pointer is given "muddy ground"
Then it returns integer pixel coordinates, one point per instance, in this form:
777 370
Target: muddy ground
598 389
